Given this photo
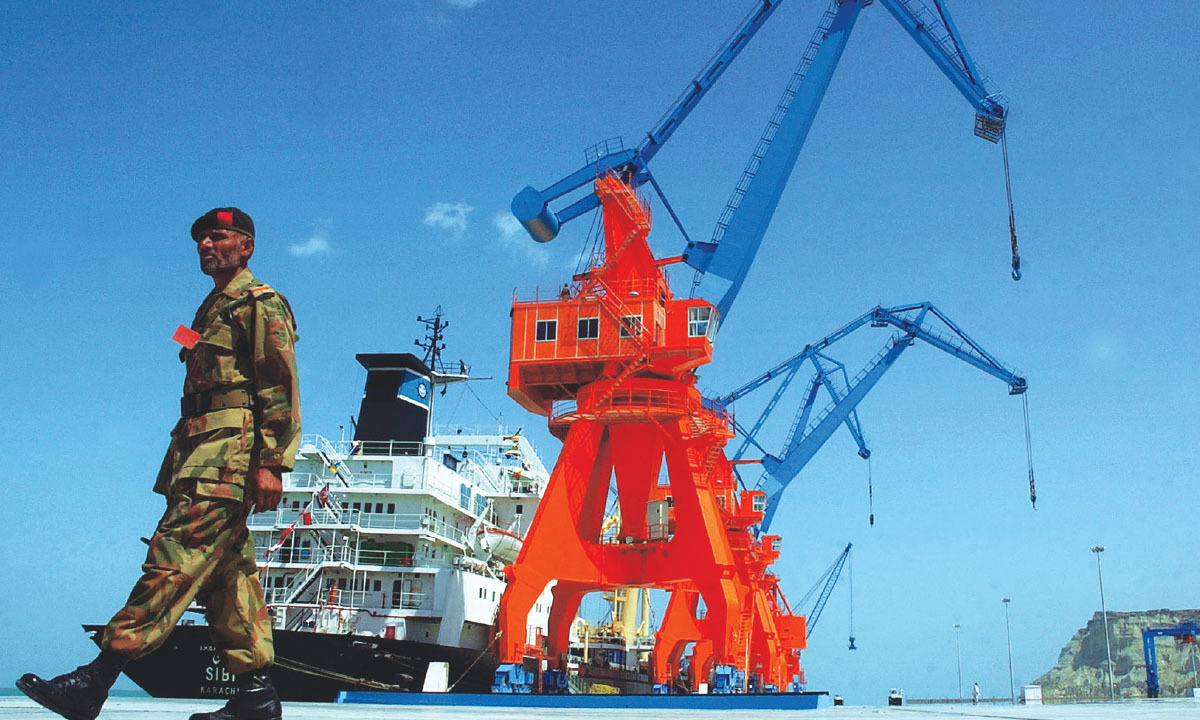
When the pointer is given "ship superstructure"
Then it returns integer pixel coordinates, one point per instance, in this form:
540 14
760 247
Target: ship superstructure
403 531
399 539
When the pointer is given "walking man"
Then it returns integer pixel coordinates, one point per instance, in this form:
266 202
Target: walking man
975 694
238 432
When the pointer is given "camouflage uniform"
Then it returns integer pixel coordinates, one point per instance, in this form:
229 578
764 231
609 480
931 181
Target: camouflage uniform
241 411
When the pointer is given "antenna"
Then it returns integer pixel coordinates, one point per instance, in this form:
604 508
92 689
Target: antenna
432 344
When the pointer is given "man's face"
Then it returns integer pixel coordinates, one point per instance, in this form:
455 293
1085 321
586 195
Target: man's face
223 250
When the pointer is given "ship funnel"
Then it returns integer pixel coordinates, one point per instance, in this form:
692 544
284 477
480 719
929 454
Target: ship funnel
395 404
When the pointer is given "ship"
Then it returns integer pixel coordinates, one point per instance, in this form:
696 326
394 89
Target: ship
386 554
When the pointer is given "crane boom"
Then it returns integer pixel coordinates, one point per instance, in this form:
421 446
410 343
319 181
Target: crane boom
531 206
919 321
723 262
826 582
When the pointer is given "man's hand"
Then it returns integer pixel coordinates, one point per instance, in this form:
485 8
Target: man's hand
266 488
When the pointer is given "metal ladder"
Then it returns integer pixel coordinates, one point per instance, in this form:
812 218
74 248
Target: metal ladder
781 108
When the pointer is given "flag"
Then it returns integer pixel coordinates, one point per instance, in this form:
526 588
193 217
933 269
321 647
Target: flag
186 337
323 496
306 516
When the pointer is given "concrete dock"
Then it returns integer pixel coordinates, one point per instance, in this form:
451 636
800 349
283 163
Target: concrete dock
137 708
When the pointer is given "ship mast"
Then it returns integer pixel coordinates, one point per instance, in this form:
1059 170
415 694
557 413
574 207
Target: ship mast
433 346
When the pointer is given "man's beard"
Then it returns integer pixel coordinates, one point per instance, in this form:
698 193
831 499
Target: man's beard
219 263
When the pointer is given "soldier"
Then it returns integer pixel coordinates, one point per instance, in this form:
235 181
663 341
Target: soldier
238 432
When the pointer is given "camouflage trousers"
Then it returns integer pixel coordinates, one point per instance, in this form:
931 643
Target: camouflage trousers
202 550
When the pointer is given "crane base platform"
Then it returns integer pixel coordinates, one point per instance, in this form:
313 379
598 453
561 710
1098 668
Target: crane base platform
764 701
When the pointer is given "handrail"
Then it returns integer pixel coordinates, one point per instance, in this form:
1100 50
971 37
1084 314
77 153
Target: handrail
322 518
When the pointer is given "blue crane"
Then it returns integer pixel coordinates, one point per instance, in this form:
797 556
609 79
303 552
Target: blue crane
1186 632
826 583
723 261
920 321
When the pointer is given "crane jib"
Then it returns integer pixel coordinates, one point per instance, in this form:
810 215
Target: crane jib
723 263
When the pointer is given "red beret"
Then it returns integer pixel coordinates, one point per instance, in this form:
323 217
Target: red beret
228 217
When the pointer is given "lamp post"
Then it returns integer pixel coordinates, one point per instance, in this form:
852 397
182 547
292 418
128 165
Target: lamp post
958 652
1112 689
1012 687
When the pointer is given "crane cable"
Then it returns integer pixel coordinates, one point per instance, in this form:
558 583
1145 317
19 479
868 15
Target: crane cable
870 494
1029 450
850 560
1012 222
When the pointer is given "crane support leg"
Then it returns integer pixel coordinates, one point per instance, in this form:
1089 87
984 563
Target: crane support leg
679 627
564 543
567 597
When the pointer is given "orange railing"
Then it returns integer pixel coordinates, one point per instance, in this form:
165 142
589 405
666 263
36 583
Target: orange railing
543 294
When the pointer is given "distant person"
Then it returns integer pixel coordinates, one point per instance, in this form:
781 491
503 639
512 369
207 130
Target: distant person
975 694
238 432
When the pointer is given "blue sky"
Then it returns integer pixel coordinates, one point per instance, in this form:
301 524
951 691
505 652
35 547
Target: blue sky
377 147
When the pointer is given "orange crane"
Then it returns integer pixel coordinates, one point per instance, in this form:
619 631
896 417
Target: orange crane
611 359
621 392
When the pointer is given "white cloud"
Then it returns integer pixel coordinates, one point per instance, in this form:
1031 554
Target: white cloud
513 236
317 242
466 4
509 227
449 217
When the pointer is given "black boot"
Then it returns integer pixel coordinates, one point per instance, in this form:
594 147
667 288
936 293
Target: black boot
253 699
79 694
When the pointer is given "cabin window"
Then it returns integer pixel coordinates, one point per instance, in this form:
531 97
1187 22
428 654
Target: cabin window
480 504
698 321
356 507
759 503
631 325
377 585
379 507
547 330
391 508
589 328
520 509
464 496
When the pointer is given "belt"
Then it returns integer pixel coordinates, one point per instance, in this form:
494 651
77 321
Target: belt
200 403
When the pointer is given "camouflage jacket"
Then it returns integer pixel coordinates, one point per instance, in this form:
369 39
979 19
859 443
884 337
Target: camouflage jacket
247 342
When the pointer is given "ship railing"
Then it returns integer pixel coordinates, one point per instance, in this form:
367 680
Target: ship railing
289 553
455 429
403 480
372 600
386 558
373 603
322 517
347 449
410 600
520 486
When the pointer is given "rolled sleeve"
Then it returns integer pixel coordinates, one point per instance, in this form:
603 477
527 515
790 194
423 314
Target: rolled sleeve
276 384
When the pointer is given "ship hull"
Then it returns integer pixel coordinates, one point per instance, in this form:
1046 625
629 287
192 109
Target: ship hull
309 667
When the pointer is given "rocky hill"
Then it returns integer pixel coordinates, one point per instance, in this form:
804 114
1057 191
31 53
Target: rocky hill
1080 673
